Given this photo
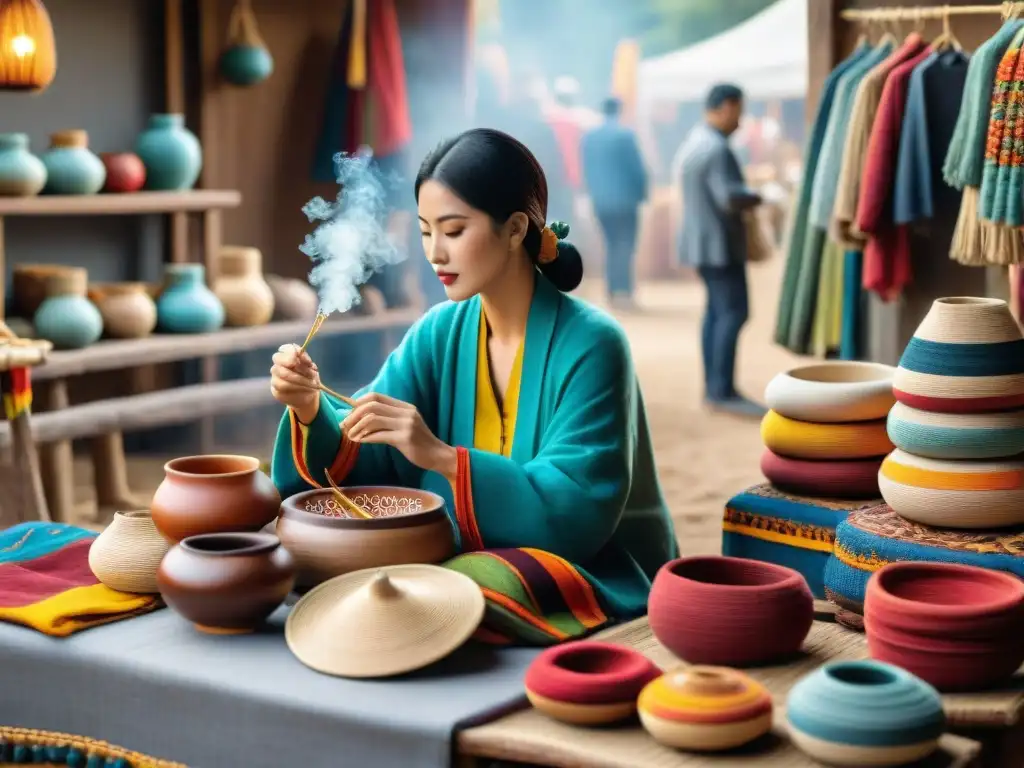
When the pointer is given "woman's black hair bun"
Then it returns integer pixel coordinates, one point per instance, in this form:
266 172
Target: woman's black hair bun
565 272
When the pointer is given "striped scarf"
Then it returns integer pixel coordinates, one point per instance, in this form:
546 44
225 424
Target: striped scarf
1003 113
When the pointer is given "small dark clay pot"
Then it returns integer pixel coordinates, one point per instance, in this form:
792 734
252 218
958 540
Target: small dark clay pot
226 583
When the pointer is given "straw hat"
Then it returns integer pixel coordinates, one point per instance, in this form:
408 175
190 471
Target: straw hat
384 621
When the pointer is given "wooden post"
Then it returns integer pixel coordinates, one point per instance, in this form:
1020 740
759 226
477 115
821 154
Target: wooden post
26 462
110 476
174 79
57 460
3 272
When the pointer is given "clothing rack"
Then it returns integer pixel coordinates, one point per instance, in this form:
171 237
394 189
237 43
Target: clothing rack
923 13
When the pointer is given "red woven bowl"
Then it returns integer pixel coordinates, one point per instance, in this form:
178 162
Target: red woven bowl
729 611
857 479
955 626
589 672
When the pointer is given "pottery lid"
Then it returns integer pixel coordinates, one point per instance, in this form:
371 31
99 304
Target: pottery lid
384 621
700 691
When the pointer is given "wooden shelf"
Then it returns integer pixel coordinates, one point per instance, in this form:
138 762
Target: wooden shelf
134 203
169 348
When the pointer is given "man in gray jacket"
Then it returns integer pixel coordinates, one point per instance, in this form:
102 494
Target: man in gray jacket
713 241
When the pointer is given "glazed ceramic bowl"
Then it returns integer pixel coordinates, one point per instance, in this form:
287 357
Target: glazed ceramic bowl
956 626
705 709
954 494
226 583
969 436
967 356
408 526
587 682
864 713
729 611
832 392
853 479
832 442
213 494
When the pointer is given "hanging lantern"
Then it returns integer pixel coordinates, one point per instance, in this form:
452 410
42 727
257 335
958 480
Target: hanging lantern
28 54
246 60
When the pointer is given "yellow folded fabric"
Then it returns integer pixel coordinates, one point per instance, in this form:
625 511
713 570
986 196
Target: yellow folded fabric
805 440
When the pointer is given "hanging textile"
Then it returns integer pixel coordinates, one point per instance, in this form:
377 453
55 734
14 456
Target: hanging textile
16 386
1002 118
800 220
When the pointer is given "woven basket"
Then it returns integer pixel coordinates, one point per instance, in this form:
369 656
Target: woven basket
971 436
763 523
870 538
954 494
967 356
854 479
807 440
832 392
127 554
19 746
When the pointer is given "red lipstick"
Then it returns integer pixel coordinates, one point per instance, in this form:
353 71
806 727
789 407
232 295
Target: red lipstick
447 277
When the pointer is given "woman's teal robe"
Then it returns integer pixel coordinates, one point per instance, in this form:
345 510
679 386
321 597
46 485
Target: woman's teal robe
580 483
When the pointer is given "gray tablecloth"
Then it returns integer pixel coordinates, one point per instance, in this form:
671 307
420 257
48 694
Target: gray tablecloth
155 685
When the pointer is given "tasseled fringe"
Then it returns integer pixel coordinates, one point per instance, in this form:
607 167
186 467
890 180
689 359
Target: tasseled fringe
980 243
1003 245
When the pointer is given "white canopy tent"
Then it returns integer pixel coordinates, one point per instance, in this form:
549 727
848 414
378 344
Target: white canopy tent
766 56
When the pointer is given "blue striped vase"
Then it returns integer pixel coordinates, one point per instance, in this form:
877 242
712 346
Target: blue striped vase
968 436
860 713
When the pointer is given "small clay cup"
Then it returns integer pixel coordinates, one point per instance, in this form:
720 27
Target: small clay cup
730 611
226 583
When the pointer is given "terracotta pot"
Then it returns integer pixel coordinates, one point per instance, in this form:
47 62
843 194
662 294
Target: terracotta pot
957 627
408 526
240 286
705 709
226 583
127 310
587 682
125 172
32 284
127 554
859 713
293 299
729 611
213 494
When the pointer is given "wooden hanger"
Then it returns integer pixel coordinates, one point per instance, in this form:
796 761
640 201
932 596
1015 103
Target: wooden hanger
947 39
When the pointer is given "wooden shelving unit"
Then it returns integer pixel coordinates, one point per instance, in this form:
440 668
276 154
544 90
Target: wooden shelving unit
129 204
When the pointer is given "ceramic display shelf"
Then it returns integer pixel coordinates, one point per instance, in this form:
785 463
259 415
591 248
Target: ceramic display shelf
954 494
864 713
729 611
705 709
832 392
588 683
968 436
808 440
956 626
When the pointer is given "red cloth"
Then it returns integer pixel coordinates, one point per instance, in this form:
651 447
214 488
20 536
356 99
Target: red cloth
887 268
386 80
568 134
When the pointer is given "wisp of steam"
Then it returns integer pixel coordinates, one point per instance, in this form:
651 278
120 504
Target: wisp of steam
352 243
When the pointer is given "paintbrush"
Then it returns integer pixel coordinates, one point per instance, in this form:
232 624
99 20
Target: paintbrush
350 506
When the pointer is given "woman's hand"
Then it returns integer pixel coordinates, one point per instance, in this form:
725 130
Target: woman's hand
295 382
381 419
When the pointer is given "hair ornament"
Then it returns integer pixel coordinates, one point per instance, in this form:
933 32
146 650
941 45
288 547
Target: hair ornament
549 237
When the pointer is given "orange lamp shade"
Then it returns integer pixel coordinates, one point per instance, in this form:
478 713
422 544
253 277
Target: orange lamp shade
28 54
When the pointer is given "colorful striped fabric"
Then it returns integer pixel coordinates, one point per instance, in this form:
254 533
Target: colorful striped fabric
46 582
16 386
343 462
533 597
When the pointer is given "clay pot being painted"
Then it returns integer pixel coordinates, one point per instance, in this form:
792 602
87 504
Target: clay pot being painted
729 611
587 682
859 713
705 709
832 392
226 583
213 494
127 554
71 169
955 626
966 356
125 172
407 526
240 286
66 317
127 310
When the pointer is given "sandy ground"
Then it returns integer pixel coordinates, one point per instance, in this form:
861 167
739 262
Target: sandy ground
703 458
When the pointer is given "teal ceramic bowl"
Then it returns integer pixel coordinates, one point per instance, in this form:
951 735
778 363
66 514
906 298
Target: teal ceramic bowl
968 436
857 713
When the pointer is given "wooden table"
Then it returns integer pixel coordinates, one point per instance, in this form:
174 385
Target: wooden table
22 498
530 737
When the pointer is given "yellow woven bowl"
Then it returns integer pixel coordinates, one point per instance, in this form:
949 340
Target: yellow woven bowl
953 494
806 440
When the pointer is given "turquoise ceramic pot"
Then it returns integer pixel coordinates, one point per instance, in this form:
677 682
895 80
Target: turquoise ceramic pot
859 713
186 305
170 152
246 64
70 322
22 174
71 169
